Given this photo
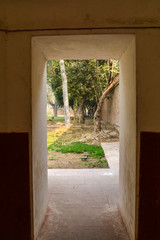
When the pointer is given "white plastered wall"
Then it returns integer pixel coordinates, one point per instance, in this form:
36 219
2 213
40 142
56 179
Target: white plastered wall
88 47
39 137
127 179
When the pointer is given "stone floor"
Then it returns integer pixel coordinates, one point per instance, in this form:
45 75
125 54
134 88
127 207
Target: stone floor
82 203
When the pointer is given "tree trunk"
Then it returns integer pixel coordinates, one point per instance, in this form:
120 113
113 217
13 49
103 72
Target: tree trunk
53 106
81 114
111 71
97 115
75 113
65 93
81 119
55 110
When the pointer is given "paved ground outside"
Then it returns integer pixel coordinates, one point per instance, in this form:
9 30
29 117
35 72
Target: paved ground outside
82 203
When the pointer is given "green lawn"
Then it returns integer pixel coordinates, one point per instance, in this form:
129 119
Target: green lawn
56 119
78 147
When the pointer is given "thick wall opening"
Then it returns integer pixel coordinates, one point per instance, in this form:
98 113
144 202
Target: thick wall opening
127 171
39 139
116 46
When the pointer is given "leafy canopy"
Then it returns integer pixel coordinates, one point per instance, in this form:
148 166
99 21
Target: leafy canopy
86 79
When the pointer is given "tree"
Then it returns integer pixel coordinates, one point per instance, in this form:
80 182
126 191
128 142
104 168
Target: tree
65 93
79 77
87 80
54 80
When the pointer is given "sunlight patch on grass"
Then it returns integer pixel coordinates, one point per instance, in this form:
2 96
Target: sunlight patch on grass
54 135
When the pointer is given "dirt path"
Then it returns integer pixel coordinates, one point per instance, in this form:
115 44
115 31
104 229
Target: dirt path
71 161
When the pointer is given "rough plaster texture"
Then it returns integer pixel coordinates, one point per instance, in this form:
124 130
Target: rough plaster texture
39 138
110 108
128 137
46 14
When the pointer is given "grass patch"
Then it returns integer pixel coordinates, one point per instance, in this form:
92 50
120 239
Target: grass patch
65 136
78 147
49 117
52 137
50 167
52 158
72 139
55 146
59 119
51 120
99 164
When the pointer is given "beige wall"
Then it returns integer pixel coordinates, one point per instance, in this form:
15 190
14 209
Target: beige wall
148 77
39 137
127 173
18 88
110 108
3 83
78 14
16 83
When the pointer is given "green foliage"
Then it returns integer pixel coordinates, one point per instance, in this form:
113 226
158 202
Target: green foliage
54 80
86 79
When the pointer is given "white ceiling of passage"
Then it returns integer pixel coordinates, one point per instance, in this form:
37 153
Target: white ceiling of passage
83 46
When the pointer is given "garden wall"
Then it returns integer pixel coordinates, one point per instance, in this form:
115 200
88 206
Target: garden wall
110 109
